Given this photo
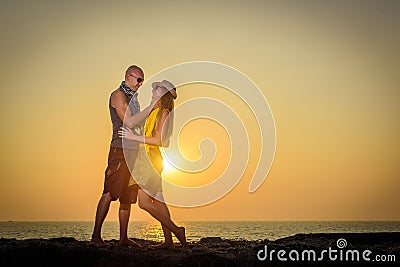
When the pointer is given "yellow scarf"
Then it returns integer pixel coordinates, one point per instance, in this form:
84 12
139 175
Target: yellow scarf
149 126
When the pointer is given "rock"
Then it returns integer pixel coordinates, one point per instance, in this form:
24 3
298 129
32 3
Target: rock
215 242
216 239
209 251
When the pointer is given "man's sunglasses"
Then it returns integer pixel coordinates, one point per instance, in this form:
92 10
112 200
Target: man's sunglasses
137 78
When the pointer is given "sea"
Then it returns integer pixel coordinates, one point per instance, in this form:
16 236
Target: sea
195 230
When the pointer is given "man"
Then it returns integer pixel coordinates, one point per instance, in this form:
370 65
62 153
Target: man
124 111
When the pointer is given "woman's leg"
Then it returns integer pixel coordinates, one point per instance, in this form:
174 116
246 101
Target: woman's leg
146 203
168 243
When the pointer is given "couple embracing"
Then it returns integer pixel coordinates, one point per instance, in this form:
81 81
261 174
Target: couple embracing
124 150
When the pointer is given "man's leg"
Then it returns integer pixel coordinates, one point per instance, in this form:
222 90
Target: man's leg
124 213
128 196
101 213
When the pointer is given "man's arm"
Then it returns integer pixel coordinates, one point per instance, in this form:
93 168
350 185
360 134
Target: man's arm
150 140
118 101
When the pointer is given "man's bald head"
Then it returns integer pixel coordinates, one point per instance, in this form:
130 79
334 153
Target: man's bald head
134 70
134 77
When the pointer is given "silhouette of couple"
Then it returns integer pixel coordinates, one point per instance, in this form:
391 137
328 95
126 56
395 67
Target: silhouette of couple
145 185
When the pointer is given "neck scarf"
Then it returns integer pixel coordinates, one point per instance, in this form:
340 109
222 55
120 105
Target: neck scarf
127 91
133 101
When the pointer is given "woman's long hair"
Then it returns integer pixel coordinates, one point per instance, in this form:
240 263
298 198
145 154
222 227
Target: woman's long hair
166 103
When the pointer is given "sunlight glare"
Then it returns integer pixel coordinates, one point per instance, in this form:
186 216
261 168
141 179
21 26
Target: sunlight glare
168 168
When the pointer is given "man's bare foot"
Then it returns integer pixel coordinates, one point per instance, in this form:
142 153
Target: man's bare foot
169 246
181 235
128 242
98 242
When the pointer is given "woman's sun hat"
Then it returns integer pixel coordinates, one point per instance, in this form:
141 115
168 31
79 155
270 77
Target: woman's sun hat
167 85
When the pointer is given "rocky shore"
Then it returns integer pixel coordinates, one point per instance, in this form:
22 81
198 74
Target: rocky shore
301 249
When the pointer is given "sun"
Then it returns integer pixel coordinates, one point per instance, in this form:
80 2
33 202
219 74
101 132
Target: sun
168 168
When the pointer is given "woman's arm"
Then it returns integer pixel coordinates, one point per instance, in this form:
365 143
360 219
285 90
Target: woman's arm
150 140
118 101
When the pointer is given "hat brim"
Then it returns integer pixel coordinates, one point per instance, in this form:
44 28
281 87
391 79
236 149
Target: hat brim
155 84
171 90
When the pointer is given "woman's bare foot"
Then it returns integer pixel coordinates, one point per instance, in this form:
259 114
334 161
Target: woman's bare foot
128 242
169 246
181 235
98 242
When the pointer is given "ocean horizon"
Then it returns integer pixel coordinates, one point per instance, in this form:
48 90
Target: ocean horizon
195 230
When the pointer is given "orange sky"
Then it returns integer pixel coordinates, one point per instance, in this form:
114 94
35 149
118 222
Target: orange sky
328 70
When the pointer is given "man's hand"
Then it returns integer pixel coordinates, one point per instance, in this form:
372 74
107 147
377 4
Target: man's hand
127 133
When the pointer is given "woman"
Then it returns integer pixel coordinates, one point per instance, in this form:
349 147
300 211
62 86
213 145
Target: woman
157 132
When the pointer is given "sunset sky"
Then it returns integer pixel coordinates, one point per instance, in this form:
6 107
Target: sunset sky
328 69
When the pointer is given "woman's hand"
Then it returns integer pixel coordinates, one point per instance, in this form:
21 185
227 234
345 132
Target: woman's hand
127 134
154 100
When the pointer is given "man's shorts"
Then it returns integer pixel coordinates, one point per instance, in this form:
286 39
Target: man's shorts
117 175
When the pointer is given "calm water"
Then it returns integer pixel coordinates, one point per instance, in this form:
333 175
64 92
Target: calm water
194 230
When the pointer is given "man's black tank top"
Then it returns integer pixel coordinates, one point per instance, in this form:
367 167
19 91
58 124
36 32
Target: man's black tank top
117 123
